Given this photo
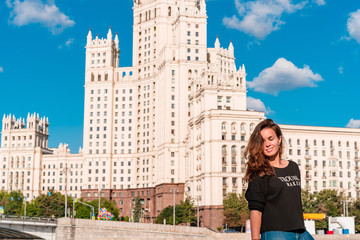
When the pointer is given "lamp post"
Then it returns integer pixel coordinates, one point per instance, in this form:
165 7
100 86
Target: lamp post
65 171
25 209
197 209
173 190
99 199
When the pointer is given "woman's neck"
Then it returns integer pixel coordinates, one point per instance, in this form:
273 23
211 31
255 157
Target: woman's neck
275 161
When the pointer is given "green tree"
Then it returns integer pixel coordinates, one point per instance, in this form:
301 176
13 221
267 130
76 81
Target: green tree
308 201
185 212
83 211
137 209
236 210
111 207
51 205
13 203
327 202
355 211
33 208
166 213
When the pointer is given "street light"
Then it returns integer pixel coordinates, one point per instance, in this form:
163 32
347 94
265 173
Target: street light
65 171
197 209
173 190
99 200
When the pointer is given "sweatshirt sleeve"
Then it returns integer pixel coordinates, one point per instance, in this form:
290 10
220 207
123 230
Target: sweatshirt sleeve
256 193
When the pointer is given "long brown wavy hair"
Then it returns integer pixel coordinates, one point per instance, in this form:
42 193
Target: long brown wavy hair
258 163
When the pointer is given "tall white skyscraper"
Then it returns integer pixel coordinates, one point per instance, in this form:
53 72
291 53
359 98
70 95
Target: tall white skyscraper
176 119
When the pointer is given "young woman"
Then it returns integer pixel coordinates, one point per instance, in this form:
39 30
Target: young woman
274 191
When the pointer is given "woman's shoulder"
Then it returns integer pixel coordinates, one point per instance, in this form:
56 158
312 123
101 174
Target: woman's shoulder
256 177
293 164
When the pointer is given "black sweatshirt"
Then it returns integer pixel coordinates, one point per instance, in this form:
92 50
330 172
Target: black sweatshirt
278 198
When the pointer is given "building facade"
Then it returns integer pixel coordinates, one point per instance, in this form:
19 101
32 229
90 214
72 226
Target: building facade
176 119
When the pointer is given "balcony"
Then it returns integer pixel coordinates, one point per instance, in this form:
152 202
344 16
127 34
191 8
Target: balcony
307 156
307 177
357 179
357 168
235 185
357 188
233 162
224 163
357 159
308 167
225 184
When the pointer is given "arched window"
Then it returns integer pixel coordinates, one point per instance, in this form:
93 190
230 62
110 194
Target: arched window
252 127
290 142
223 127
314 142
92 77
233 127
347 144
223 150
242 150
298 141
339 143
243 128
233 150
169 11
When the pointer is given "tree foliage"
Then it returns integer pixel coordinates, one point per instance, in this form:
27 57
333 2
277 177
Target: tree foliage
326 201
137 209
355 211
236 210
185 213
53 204
12 202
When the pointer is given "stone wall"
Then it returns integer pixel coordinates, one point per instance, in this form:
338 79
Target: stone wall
79 229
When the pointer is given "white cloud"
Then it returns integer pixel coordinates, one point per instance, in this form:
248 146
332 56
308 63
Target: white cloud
284 76
353 25
341 69
257 105
320 2
35 11
69 42
8 3
1 69
259 18
353 123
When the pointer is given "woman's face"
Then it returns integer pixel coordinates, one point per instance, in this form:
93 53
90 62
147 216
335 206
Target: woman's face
271 143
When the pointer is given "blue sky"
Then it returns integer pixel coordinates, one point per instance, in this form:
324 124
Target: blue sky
301 57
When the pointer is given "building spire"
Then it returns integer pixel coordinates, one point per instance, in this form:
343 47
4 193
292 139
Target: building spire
231 48
89 36
217 42
109 35
116 40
